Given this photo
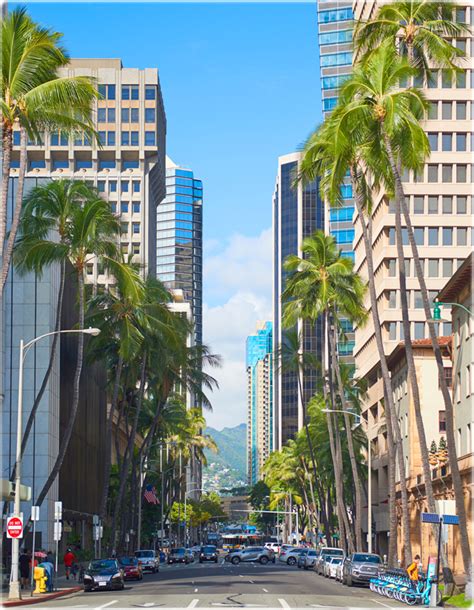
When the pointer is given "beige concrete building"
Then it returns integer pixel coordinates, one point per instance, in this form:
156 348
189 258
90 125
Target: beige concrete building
440 202
129 166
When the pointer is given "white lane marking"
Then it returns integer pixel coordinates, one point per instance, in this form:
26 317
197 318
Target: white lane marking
382 604
266 590
193 603
283 603
195 590
114 601
251 582
240 575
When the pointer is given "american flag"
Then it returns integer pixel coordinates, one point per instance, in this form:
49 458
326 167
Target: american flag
150 495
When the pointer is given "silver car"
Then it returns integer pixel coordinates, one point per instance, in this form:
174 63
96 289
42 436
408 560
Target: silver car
291 556
310 559
251 553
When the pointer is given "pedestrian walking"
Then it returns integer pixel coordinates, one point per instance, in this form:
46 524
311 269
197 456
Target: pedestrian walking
25 565
69 560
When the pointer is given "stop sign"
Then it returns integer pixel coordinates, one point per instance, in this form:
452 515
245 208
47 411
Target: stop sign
14 527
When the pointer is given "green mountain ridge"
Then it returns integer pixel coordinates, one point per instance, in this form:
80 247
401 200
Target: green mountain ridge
232 444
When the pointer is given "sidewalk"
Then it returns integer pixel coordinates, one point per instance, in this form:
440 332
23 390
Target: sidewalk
64 587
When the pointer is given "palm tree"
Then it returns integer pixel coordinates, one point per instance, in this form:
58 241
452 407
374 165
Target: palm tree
323 283
423 28
34 98
332 150
91 230
419 27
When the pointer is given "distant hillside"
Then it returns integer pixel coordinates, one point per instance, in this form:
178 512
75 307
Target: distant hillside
232 443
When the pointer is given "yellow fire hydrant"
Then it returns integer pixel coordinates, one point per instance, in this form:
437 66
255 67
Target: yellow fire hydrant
40 577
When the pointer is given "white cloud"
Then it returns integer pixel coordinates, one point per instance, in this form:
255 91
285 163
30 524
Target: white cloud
239 282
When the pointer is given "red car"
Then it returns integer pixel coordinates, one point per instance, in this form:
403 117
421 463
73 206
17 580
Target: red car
131 567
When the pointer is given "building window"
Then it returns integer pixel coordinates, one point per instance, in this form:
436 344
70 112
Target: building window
60 164
448 376
392 331
418 300
447 236
392 299
102 137
150 138
391 236
124 207
446 111
113 186
446 79
124 227
135 249
419 235
125 114
462 236
432 173
111 138
461 79
101 186
83 164
461 205
447 205
130 164
135 227
447 173
419 330
433 111
432 205
433 140
392 267
90 269
134 115
134 138
59 139
418 205
442 421
461 111
136 186
106 163
461 142
461 173
149 115
341 14
111 115
447 267
113 207
433 236
136 207
447 142
329 103
336 59
150 92
447 329
433 267
124 186
107 91
101 115
130 92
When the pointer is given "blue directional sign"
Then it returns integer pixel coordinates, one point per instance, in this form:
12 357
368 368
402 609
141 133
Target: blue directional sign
450 520
430 517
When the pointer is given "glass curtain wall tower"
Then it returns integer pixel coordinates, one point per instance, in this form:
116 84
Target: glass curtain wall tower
259 361
335 24
297 213
179 239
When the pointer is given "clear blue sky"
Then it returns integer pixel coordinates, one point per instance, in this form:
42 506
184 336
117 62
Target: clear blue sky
240 85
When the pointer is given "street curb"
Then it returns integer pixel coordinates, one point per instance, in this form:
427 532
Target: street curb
36 600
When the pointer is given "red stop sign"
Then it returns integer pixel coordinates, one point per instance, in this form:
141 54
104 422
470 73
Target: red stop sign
14 527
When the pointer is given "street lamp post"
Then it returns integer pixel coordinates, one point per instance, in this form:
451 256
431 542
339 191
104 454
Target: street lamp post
14 590
437 310
369 482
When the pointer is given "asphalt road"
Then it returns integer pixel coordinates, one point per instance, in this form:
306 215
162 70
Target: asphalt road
227 586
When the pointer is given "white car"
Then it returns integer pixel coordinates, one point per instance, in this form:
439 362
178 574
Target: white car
290 556
274 546
339 569
330 567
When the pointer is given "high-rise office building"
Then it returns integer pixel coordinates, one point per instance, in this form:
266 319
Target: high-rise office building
440 202
297 213
179 239
259 362
335 24
129 166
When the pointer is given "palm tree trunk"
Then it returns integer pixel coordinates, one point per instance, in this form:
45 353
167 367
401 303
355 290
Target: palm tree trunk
108 439
75 395
399 196
8 250
350 443
7 143
394 437
128 453
448 404
39 396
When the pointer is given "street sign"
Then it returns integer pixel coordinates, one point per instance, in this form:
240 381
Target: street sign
429 517
35 513
15 527
58 510
95 519
450 520
58 530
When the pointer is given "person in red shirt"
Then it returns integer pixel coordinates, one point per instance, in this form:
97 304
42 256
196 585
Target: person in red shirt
69 559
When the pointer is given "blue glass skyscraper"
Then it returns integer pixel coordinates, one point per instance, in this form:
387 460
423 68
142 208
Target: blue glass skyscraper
179 239
259 362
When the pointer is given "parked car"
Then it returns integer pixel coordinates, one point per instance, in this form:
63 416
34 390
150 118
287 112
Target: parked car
325 553
103 574
331 565
290 556
251 553
180 555
132 569
196 550
310 558
275 546
360 568
302 557
148 559
339 569
190 555
208 553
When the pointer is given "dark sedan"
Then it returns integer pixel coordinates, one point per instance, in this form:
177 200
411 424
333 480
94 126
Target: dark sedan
103 574
208 553
132 570
179 555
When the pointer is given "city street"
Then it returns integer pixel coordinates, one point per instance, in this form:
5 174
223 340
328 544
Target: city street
224 585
